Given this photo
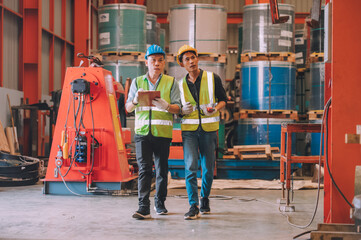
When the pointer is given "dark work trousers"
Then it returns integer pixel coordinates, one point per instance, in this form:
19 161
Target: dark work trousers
146 146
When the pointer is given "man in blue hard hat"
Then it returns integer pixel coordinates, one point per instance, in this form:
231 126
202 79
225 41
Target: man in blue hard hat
153 130
202 96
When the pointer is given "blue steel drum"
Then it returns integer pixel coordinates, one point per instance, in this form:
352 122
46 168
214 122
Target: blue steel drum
317 71
253 131
255 85
316 141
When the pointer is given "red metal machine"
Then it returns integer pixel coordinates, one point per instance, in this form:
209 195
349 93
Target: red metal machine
88 154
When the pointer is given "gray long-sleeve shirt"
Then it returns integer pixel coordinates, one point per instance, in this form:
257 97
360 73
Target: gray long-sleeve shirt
174 93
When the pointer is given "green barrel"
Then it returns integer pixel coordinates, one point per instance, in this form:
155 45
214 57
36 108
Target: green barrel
121 70
162 38
158 32
122 28
151 29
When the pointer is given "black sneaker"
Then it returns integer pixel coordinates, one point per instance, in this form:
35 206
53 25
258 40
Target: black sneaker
160 209
193 213
205 206
142 213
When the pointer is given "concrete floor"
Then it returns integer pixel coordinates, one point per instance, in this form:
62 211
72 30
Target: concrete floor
25 213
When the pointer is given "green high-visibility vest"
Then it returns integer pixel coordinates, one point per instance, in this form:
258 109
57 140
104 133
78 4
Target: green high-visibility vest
161 121
207 98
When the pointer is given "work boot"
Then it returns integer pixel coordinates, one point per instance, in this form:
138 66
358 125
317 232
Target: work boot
142 213
205 206
193 213
160 209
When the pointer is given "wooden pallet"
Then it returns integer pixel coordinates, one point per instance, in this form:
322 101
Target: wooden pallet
127 56
209 57
248 113
316 57
335 231
271 56
315 115
247 152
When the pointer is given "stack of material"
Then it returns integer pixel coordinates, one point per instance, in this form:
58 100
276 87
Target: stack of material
15 170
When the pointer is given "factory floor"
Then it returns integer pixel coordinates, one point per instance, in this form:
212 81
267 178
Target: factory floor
25 213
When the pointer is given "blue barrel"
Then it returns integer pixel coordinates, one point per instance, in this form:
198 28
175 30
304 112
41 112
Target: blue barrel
253 131
255 85
316 140
317 90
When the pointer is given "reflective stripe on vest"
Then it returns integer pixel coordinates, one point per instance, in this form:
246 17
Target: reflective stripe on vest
161 121
191 121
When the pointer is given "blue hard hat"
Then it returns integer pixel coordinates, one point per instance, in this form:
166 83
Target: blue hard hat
154 49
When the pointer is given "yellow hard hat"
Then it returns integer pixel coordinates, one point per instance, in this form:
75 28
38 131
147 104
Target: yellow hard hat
183 49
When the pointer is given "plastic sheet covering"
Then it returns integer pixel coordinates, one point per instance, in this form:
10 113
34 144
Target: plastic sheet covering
122 28
253 131
121 70
179 72
260 35
255 85
318 35
157 28
240 41
317 86
203 26
300 48
162 38
151 26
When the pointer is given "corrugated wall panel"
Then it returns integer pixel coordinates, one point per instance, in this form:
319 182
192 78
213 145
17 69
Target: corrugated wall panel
232 6
160 6
57 17
57 64
45 42
69 20
69 56
12 4
11 51
95 31
301 6
45 14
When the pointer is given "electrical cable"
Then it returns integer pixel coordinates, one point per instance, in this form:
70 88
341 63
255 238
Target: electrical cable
92 145
318 180
301 234
62 178
326 156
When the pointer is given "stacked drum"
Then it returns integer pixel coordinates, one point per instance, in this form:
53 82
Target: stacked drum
204 27
268 74
122 29
317 70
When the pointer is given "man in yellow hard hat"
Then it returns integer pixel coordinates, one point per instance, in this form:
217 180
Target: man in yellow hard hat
153 130
202 96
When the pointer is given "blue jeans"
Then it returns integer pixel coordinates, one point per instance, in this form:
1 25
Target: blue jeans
199 145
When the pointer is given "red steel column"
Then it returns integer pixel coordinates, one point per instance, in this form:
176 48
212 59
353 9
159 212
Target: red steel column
63 45
32 50
81 29
345 112
51 46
